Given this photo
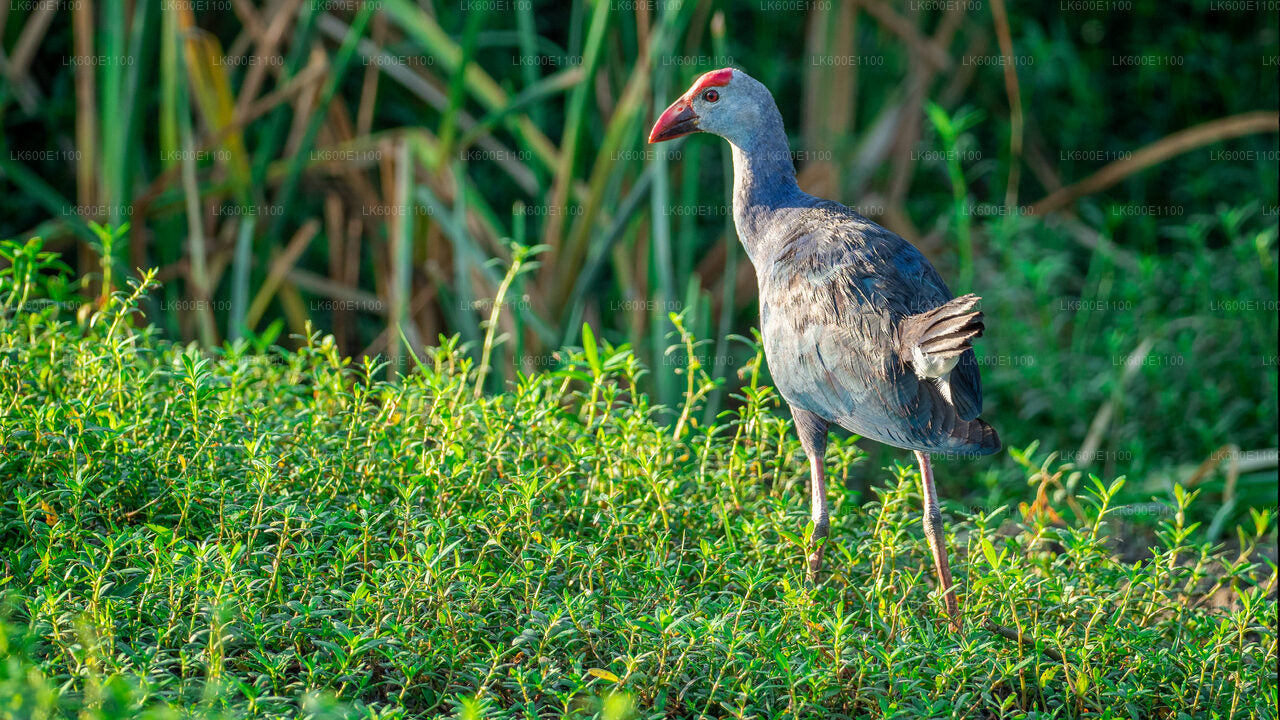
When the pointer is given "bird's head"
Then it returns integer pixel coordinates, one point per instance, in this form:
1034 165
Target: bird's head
725 102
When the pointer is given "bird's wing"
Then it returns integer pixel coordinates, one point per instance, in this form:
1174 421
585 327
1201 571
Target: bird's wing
831 302
966 386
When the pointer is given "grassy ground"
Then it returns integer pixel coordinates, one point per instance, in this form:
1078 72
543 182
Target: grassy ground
287 534
242 530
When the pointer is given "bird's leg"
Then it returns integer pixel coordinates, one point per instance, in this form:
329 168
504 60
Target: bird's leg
818 512
813 438
933 532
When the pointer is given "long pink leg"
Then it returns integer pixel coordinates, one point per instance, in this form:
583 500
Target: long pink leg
813 438
818 513
933 532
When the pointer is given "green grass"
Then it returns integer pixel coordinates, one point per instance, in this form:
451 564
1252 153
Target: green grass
242 529
285 533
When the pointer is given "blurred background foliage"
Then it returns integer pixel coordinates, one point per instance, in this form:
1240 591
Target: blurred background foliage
1103 173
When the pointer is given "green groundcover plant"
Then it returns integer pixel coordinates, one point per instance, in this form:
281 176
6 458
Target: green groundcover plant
269 533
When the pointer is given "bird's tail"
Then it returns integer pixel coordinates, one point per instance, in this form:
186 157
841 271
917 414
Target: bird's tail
944 332
976 437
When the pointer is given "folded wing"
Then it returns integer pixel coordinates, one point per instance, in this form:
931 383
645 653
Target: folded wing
838 305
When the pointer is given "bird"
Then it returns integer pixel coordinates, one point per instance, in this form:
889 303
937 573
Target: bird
859 329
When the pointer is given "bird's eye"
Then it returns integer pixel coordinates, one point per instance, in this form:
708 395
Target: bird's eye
711 96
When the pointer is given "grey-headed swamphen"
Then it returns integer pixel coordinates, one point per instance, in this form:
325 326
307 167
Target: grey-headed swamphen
859 329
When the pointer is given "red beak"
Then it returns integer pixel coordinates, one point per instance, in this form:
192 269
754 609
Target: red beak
676 121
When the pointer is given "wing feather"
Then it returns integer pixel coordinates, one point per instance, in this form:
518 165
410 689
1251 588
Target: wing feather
831 303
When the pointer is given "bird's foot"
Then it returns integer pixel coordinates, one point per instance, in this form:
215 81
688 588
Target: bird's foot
953 609
815 565
818 543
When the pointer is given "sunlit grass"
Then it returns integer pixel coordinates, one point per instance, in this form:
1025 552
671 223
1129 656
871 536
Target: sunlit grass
290 534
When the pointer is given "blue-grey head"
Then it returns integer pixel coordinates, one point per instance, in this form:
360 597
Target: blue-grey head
728 103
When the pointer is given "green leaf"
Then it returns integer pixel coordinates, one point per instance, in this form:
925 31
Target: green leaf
990 553
604 675
589 346
1082 683
1116 485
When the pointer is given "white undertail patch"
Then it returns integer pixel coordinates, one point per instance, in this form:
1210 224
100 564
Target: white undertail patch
928 366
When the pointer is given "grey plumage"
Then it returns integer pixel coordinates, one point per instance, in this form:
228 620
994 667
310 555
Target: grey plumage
839 295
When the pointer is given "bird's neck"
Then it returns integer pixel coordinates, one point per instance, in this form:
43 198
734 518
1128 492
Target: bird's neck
764 184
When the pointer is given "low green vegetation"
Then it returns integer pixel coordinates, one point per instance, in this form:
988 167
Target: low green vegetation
262 532
271 521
